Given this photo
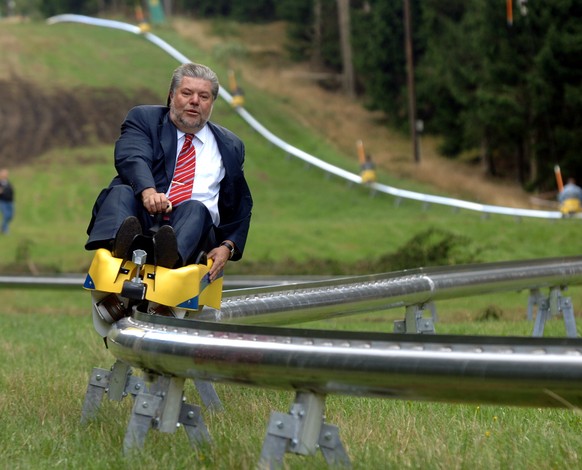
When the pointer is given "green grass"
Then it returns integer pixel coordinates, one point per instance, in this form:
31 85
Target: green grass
48 349
48 345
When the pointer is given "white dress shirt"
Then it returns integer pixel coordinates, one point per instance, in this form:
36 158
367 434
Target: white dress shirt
209 170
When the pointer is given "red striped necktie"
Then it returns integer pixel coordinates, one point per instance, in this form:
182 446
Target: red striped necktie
183 180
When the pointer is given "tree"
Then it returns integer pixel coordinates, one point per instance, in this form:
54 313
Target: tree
511 93
343 8
447 73
379 59
556 87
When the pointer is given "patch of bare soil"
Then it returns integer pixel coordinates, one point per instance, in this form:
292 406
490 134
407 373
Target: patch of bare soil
35 120
344 121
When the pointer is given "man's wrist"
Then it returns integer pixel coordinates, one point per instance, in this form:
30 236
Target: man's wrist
230 247
147 192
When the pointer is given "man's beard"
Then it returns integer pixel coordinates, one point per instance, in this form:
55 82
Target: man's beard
192 124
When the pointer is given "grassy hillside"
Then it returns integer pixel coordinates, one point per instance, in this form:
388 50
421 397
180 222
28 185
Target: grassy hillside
299 213
48 343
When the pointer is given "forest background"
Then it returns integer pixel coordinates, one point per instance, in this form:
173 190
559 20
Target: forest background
500 90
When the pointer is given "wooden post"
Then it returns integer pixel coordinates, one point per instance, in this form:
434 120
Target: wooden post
410 77
559 180
343 7
509 12
361 152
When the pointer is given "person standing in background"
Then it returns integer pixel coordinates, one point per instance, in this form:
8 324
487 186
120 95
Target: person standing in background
6 200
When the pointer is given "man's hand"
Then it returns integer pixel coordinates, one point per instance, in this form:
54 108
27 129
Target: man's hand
154 202
219 255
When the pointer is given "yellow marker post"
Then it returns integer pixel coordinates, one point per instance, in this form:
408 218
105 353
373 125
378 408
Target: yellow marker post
140 18
238 98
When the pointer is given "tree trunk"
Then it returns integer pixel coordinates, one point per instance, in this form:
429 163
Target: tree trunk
410 81
343 7
486 158
167 4
316 61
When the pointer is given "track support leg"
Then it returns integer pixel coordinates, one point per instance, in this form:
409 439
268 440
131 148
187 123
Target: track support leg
118 382
554 304
302 431
414 322
162 407
208 395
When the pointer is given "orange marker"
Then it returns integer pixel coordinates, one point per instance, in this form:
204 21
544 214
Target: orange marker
361 152
559 181
509 8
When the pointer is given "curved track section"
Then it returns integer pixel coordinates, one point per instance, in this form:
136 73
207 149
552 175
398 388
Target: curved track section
517 371
312 160
520 371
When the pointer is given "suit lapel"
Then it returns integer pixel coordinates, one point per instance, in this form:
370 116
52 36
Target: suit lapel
168 142
224 146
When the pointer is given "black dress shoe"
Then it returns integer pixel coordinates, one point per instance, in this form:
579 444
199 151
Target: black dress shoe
165 247
130 228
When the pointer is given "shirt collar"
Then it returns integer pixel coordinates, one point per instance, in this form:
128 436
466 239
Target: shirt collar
201 135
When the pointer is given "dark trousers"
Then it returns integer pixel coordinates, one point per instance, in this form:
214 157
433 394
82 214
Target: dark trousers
190 220
7 211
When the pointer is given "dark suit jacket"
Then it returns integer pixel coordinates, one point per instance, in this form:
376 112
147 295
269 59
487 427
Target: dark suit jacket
145 156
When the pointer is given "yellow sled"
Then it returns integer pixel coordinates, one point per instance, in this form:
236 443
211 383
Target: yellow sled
118 286
570 207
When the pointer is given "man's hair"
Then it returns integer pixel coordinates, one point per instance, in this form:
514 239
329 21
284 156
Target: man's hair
194 71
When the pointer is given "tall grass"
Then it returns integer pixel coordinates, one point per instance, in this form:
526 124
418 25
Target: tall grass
48 346
48 349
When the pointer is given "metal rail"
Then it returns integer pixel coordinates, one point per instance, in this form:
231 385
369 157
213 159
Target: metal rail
75 281
498 370
385 365
279 305
518 371
398 366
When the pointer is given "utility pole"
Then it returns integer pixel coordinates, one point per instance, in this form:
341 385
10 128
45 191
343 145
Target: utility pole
410 77
168 8
316 55
343 7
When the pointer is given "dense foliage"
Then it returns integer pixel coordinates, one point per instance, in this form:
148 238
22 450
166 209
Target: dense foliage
505 93
510 90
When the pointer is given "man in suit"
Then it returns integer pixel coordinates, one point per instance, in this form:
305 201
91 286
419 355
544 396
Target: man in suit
217 209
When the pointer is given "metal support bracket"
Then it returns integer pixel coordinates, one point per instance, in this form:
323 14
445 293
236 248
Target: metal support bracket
302 431
208 395
533 301
162 407
552 305
118 382
414 322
